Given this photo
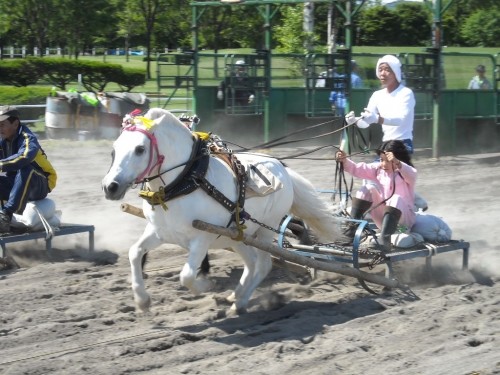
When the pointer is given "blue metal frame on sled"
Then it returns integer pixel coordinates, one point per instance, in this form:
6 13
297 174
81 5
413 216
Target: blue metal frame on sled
62 230
351 255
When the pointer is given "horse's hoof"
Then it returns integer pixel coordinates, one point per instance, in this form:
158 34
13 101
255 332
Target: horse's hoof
234 310
219 300
201 286
231 298
144 306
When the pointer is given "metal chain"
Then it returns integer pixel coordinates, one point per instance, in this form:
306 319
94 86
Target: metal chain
377 257
255 221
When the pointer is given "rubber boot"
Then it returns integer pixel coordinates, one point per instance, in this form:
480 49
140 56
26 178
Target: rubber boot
389 225
358 209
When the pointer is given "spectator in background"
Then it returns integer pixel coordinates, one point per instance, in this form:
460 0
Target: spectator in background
479 81
338 96
237 86
356 81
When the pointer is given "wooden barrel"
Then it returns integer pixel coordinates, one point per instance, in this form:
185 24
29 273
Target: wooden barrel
114 107
110 125
87 118
123 103
59 118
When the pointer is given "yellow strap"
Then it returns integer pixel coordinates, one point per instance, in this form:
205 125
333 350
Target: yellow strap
241 227
203 136
154 198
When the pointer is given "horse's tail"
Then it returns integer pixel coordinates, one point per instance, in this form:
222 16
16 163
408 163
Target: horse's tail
308 206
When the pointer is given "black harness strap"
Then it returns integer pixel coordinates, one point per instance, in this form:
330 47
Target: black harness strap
193 177
197 166
212 191
235 208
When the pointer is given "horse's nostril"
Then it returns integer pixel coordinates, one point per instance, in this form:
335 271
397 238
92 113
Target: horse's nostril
112 187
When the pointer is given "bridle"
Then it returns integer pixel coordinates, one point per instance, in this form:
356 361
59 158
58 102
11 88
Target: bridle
130 125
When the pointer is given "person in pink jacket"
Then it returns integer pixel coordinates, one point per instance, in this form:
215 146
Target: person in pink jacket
391 197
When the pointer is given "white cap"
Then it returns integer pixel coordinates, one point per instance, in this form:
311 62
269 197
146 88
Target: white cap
240 62
394 64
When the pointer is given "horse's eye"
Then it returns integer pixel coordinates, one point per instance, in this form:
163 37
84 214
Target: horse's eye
139 150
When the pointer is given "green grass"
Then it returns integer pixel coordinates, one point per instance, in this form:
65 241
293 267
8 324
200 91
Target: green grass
458 69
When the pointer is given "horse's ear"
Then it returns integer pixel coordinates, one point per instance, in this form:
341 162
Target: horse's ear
158 120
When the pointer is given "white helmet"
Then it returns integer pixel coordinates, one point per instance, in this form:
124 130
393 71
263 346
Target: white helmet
240 62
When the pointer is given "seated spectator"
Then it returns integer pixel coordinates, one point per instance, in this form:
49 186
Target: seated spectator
479 81
238 86
356 81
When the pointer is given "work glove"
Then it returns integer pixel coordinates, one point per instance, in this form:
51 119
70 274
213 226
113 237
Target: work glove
369 117
220 95
350 118
362 124
251 98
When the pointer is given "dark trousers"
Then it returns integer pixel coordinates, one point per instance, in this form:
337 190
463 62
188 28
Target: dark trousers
28 184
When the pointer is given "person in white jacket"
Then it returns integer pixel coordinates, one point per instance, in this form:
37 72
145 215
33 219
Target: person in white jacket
393 106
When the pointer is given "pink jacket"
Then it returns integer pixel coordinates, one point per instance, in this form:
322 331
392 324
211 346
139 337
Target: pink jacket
399 184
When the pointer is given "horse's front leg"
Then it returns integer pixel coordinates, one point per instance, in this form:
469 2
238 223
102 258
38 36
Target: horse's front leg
137 251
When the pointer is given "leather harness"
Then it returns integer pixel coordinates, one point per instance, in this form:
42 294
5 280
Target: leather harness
192 177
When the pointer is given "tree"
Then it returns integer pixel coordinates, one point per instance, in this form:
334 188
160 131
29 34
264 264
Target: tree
28 21
212 25
4 29
149 10
457 15
81 22
128 22
379 27
482 28
290 34
415 24
174 28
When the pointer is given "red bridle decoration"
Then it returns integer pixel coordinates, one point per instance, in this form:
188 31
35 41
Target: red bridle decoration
130 126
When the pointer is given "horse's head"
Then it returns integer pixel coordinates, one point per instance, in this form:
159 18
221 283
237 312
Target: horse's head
138 152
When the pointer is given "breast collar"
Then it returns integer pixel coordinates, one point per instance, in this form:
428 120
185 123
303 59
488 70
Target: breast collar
187 181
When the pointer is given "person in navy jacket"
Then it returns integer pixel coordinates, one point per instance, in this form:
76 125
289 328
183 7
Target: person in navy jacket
25 172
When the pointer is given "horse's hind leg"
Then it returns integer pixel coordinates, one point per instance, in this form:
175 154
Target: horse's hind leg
190 277
260 266
248 255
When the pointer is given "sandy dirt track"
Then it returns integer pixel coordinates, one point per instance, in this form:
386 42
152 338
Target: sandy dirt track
70 312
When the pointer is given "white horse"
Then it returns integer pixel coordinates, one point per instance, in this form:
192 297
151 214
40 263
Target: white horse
156 148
